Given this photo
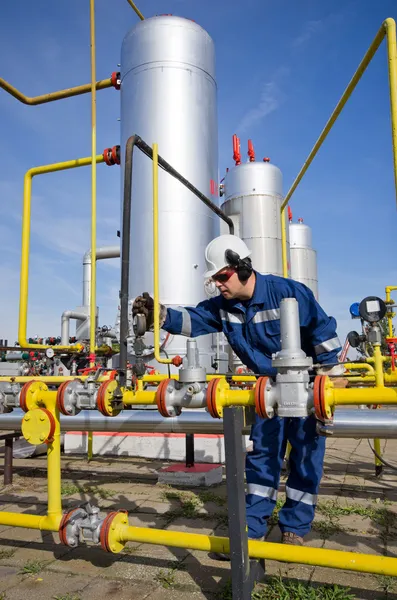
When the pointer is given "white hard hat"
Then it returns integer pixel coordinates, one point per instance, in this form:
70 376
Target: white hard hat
215 252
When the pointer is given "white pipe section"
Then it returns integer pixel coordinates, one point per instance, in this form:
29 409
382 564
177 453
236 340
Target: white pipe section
101 253
65 324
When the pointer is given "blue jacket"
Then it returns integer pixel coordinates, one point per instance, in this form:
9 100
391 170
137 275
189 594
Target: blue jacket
252 328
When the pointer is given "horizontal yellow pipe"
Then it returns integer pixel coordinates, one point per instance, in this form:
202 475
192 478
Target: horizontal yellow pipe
24 275
139 397
161 377
44 523
53 380
359 367
60 95
354 396
238 398
336 559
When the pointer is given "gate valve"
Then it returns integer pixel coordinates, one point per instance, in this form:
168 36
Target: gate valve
116 81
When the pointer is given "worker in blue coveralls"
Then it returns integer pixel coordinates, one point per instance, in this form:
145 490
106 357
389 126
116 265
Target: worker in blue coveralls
247 311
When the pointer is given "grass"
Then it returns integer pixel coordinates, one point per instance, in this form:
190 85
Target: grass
3 596
278 589
32 567
166 578
68 597
192 505
326 528
386 584
7 554
69 489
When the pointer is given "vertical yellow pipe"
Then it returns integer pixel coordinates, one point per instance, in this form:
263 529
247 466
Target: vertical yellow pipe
90 440
156 258
24 274
54 470
93 189
390 27
284 243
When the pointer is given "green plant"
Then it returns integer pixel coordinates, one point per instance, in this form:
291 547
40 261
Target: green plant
32 567
68 489
278 589
67 597
386 583
166 578
326 528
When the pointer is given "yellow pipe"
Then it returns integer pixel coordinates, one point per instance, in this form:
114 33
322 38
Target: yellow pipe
388 28
336 559
139 397
60 95
378 450
44 523
136 9
359 366
284 249
93 189
390 314
378 364
53 380
355 396
54 471
164 361
24 275
162 376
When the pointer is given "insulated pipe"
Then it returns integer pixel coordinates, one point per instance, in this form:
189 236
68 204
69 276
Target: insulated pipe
136 421
65 322
290 331
361 423
101 253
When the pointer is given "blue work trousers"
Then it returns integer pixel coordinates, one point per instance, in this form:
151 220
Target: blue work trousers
263 467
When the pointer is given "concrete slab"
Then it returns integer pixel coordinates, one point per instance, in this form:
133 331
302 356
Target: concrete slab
200 475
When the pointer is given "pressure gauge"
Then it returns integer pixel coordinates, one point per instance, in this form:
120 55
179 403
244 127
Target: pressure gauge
372 309
49 353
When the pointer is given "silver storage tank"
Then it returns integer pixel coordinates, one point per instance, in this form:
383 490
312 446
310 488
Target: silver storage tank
303 257
169 96
253 194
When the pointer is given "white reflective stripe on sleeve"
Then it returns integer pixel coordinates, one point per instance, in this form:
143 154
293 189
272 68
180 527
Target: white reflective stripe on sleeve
231 317
299 496
273 314
327 346
262 490
186 321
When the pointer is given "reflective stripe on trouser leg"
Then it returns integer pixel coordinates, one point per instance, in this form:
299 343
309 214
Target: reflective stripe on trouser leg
263 466
306 469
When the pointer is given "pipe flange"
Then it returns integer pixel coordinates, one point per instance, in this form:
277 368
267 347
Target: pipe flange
215 392
66 403
38 426
322 410
68 529
105 399
260 398
26 397
110 534
167 385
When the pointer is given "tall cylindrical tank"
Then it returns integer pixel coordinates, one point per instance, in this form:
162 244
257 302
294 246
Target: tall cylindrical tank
168 96
303 256
253 199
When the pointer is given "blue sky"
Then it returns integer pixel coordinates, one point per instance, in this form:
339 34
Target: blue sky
281 67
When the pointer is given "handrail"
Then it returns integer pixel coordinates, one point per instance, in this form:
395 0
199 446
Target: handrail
24 275
52 96
387 29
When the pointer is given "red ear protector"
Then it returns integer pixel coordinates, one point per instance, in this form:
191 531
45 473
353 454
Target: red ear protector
243 266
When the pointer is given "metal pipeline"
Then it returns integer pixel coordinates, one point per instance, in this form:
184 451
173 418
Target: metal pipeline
361 423
65 324
101 253
137 421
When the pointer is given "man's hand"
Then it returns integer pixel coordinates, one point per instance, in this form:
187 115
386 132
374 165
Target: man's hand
144 305
337 370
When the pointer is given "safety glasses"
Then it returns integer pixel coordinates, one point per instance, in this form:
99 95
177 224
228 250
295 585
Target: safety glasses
224 276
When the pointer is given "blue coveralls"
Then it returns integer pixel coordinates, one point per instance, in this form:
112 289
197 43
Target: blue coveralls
252 329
